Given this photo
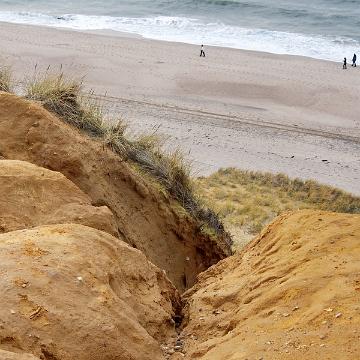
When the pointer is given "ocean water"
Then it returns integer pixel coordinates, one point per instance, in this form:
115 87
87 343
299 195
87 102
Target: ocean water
324 29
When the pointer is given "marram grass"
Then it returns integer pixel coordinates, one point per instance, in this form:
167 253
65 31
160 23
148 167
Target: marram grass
247 201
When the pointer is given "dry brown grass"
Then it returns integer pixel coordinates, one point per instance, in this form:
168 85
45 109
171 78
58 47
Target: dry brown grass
247 201
64 97
6 79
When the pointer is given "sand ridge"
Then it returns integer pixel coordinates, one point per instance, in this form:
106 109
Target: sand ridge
70 291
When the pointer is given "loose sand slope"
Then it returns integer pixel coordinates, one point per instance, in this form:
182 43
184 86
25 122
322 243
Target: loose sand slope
73 292
292 293
145 217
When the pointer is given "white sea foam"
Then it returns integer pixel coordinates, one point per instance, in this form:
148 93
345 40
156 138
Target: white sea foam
181 29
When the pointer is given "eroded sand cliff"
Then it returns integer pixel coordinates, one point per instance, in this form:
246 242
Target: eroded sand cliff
145 217
292 293
93 259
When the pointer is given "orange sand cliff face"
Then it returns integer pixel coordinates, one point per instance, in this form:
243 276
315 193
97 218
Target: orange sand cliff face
144 216
292 293
73 286
68 290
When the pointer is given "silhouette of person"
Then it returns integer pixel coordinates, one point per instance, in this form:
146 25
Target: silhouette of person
354 60
345 63
202 52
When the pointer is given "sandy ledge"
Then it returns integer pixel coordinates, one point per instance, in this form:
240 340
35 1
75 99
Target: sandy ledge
251 110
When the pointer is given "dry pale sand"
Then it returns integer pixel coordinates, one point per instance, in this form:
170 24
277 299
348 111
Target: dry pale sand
251 110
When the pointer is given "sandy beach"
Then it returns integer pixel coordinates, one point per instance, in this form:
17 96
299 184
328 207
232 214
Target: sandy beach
251 110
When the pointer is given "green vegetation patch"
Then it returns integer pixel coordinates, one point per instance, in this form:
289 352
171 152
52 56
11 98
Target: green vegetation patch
247 200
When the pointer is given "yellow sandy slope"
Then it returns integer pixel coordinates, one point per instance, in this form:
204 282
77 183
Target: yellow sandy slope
292 293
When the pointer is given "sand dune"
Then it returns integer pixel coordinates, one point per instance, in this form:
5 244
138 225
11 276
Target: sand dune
234 108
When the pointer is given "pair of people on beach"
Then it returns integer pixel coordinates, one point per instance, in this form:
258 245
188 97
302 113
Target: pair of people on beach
353 62
202 54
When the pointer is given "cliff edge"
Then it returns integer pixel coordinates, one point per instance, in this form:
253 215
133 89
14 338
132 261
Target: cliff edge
146 218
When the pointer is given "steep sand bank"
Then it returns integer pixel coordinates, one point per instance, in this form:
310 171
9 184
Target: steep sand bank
292 293
252 110
68 290
145 217
72 291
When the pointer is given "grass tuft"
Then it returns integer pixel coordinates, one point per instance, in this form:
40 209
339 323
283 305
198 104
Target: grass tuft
6 79
114 137
56 93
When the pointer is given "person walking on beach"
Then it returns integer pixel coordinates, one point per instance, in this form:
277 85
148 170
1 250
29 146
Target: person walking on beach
354 61
345 63
202 52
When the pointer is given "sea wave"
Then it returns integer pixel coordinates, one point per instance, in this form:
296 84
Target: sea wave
195 31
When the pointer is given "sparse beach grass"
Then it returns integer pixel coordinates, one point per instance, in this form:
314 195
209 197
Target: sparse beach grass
6 79
247 201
